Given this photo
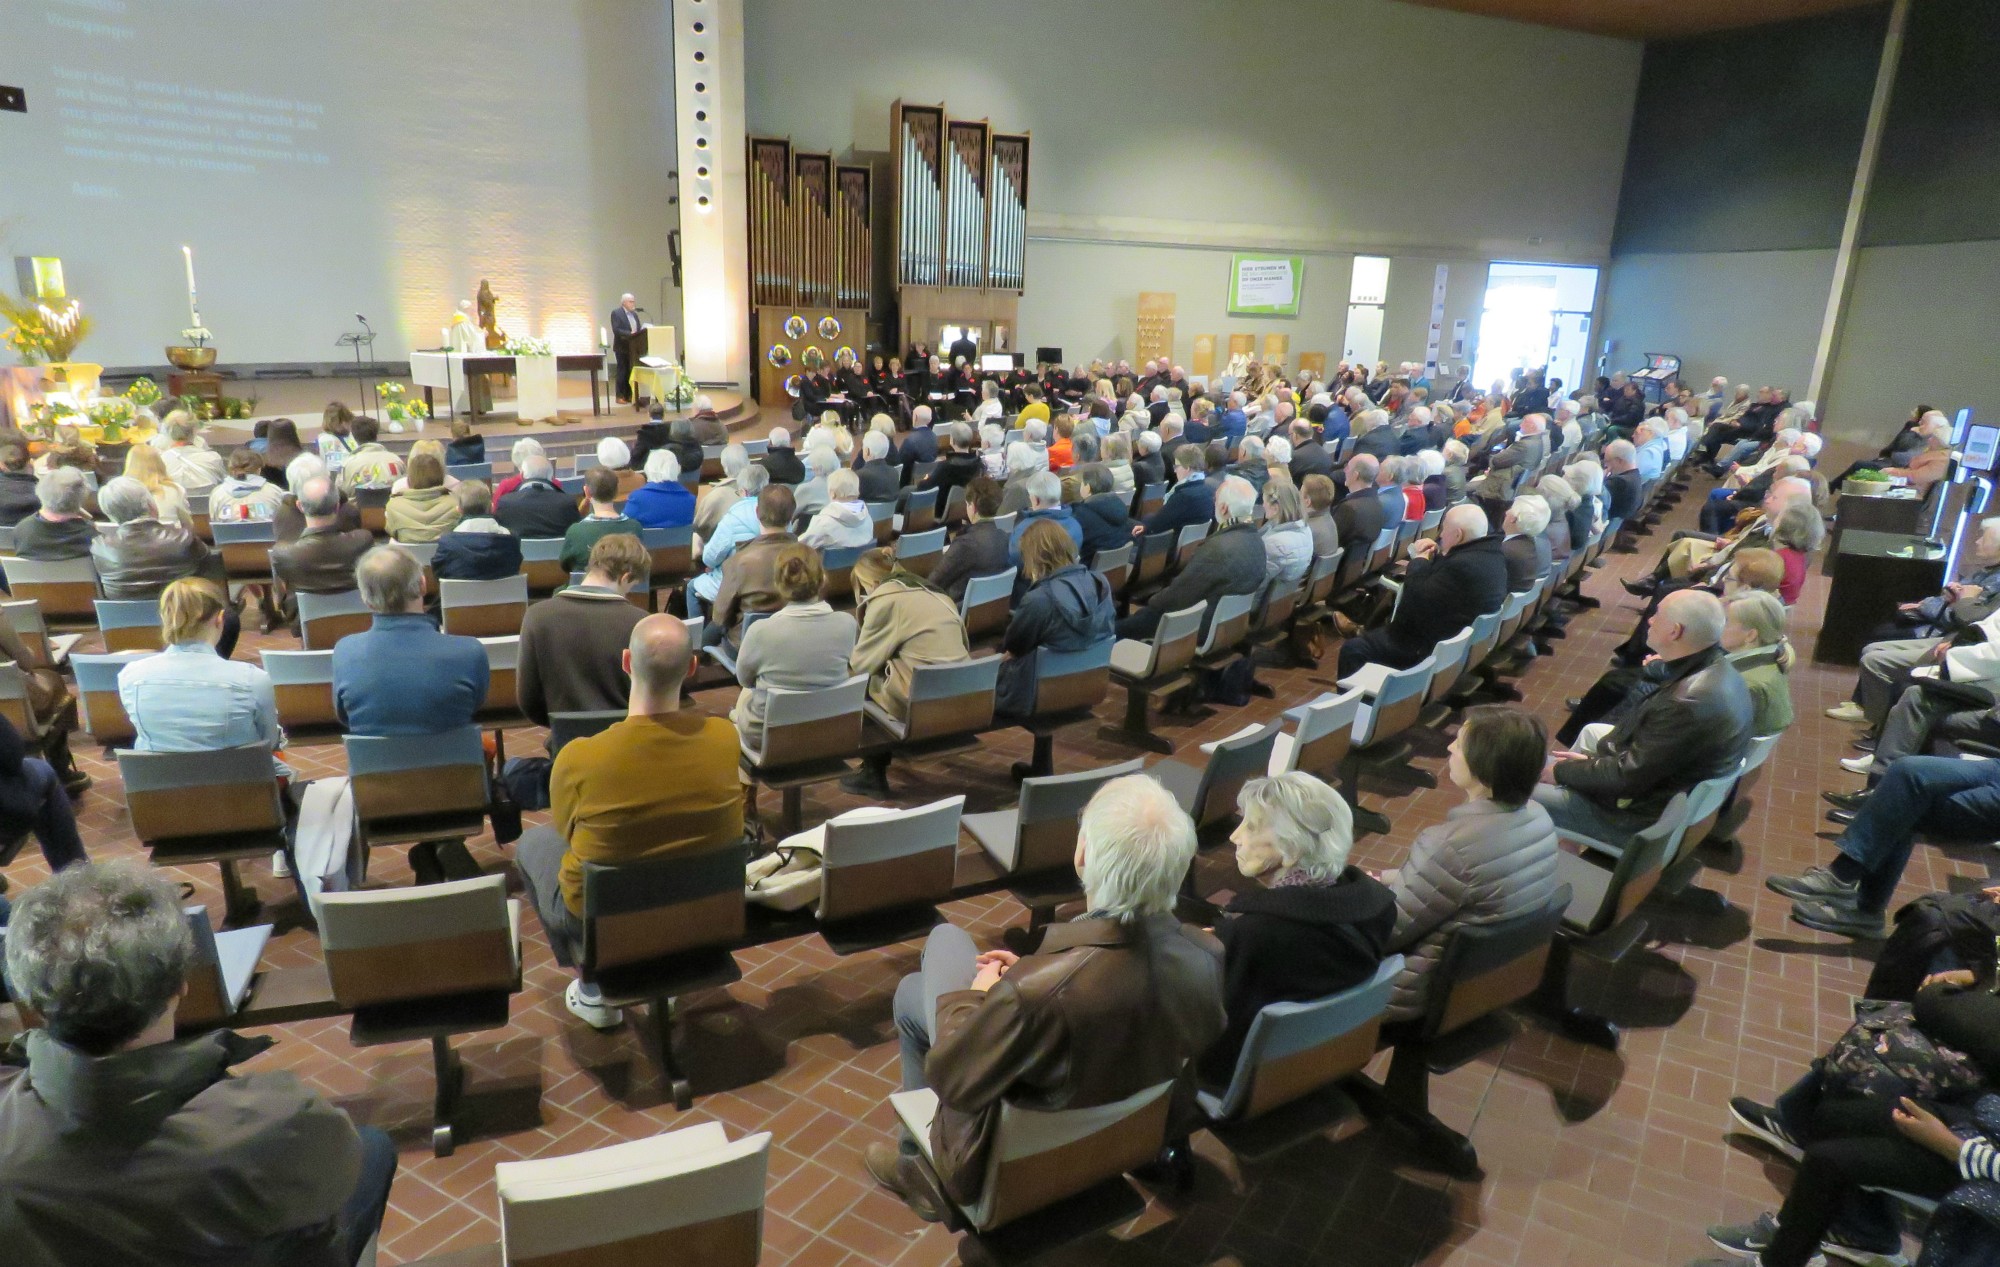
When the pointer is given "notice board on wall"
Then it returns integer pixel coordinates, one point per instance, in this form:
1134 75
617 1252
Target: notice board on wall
1265 285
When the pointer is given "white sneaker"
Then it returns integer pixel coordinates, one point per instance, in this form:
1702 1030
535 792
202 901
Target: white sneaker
1849 711
591 1013
1864 764
281 866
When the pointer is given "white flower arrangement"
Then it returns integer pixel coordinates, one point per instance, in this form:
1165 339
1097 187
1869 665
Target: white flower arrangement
197 336
520 345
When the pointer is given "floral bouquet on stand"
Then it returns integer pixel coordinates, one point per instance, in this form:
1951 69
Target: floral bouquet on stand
676 388
42 332
399 408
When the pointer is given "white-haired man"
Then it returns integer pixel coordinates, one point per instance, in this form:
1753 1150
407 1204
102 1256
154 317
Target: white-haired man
1526 543
1230 560
626 330
921 444
538 508
1695 726
1109 1004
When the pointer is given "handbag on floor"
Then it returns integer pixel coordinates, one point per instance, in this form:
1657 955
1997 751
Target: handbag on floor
786 879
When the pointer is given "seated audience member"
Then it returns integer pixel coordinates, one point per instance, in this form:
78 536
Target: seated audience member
600 485
608 804
1755 639
1062 453
780 461
478 547
922 443
955 468
652 436
1429 476
1693 727
993 451
245 494
1411 475
879 480
1148 467
538 508
1044 500
1493 858
127 1145
1931 463
748 582
1631 678
523 449
425 510
1913 638
402 676
467 447
281 446
737 525
1798 533
906 624
1230 560
1389 491
1067 607
802 645
170 502
1288 543
1650 447
1023 462
321 559
1561 500
1191 500
1525 546
1622 485
981 549
715 500
1944 798
1317 495
822 460
333 443
35 801
572 644
1451 582
17 479
62 527
140 554
1108 1005
1953 701
1360 515
844 523
1312 927
370 466
681 443
47 705
663 501
189 462
288 521
706 424
1250 466
1309 453
1373 436
190 698
1853 1139
1103 516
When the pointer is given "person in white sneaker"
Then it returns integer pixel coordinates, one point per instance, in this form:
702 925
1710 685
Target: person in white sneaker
1920 628
609 804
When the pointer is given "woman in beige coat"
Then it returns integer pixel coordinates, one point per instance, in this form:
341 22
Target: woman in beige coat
425 510
905 624
1492 858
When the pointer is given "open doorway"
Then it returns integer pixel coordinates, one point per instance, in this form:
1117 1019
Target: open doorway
1535 315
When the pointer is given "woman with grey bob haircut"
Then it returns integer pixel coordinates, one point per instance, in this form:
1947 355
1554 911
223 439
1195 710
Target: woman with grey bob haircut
1314 926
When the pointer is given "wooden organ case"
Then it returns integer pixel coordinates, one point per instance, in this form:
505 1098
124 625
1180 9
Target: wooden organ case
812 262
961 230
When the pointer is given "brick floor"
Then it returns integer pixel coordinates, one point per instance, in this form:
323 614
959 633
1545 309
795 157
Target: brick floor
1590 1157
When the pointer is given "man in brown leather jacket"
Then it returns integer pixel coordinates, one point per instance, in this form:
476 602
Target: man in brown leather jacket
322 559
749 583
1121 999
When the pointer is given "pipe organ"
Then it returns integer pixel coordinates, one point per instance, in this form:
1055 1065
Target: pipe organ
961 226
812 260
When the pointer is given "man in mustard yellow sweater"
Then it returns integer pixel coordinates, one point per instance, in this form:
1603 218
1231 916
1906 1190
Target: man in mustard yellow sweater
614 800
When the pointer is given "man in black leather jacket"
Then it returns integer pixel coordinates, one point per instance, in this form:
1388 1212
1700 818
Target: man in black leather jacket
1694 727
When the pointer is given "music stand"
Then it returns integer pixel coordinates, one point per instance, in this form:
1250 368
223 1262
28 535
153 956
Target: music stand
363 338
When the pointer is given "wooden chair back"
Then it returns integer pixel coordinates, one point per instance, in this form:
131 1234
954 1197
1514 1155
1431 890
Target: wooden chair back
484 609
422 942
876 861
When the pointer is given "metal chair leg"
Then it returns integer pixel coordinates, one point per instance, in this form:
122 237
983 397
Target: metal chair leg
450 1073
1135 730
661 1014
239 900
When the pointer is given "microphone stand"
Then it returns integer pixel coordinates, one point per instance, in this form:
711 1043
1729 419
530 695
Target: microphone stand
363 338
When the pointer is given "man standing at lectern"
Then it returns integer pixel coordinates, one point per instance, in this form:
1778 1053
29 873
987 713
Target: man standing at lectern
625 332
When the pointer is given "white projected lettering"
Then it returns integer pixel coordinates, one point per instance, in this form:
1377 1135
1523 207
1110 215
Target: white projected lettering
156 123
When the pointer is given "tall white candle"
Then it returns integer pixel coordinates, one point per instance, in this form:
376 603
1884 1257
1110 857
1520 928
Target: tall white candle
194 308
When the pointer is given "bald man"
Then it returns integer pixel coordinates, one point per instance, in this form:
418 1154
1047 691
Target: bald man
610 805
1451 582
1694 726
